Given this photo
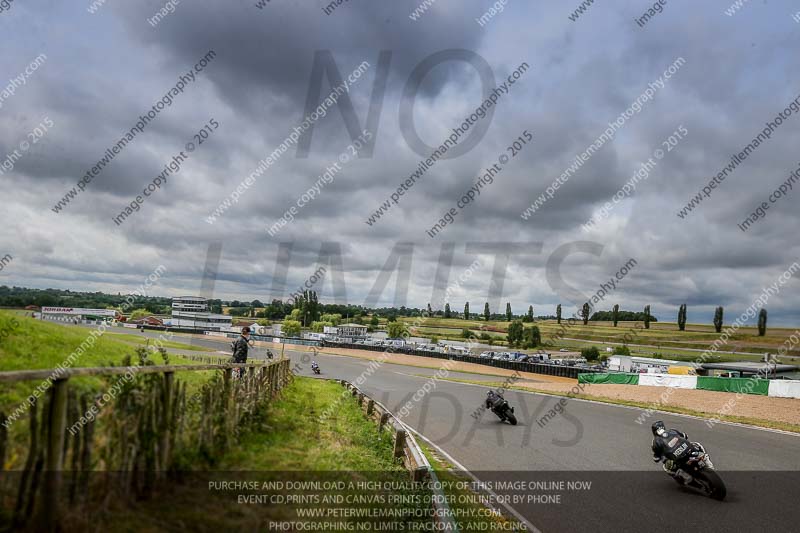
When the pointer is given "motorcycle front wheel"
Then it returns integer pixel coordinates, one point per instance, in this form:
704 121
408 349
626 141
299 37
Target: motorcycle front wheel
715 487
512 419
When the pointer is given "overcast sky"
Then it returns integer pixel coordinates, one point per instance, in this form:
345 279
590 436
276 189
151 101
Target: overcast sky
103 70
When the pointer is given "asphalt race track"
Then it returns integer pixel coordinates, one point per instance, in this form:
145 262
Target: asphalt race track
590 442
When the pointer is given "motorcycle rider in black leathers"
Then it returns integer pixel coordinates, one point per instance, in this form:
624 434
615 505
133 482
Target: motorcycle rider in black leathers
494 400
674 447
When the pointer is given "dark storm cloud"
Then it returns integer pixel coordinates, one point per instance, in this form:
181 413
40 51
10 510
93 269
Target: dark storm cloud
105 69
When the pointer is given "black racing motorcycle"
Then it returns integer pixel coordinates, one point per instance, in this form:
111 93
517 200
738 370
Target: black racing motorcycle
698 472
504 412
316 369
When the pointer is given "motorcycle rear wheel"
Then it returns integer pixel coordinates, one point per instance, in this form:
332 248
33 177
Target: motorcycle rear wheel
716 487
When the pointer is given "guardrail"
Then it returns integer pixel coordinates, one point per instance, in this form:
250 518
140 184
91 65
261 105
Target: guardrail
147 424
536 368
406 448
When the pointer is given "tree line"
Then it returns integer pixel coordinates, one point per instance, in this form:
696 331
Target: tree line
312 309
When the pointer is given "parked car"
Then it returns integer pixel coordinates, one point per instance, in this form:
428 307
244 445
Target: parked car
563 350
487 355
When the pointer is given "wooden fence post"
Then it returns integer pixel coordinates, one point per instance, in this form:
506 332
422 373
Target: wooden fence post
399 442
227 386
163 445
3 438
54 460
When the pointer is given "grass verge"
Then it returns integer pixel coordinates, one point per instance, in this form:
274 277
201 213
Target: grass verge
296 437
289 441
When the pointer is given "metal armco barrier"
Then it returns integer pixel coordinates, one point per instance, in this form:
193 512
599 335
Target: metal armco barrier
535 368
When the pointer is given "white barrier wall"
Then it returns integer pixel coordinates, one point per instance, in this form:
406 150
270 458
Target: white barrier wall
781 388
778 388
668 380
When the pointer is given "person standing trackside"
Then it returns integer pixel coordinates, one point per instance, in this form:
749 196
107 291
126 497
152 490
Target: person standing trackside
240 347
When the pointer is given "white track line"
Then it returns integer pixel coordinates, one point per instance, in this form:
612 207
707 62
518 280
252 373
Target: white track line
450 458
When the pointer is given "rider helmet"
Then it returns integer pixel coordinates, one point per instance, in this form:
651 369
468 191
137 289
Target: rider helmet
659 428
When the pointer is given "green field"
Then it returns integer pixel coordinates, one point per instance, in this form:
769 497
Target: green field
143 341
33 344
29 344
663 338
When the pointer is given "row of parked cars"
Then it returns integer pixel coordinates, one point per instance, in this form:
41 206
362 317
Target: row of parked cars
402 344
517 357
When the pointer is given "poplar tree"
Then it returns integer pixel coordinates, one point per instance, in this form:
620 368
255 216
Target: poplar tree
718 314
682 317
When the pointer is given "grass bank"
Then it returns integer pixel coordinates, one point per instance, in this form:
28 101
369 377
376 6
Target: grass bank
138 340
289 441
30 344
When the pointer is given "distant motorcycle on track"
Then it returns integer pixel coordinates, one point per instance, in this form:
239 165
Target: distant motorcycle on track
500 407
